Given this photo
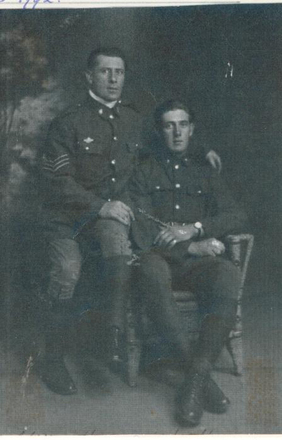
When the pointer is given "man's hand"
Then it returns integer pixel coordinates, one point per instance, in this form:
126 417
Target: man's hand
168 237
210 247
215 160
117 211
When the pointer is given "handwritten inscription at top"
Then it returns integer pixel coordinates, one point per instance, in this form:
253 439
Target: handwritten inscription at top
31 4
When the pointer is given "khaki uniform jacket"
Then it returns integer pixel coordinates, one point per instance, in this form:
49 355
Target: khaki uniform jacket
181 191
90 154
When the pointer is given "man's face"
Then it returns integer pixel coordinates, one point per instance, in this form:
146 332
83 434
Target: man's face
176 131
107 77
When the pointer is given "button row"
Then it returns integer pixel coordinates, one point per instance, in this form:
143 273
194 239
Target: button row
115 138
88 148
101 111
177 185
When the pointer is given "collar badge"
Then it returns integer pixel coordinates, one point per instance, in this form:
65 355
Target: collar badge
88 140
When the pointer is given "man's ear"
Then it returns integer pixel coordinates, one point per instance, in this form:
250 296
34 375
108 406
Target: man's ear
191 129
88 76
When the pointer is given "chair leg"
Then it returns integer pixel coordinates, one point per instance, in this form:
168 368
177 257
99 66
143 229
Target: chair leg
133 351
133 345
133 362
234 346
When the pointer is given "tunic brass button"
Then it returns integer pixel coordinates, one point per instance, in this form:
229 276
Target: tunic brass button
113 162
177 207
115 138
176 167
100 111
177 185
111 116
113 179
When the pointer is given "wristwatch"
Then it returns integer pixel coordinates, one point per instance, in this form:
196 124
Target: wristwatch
198 226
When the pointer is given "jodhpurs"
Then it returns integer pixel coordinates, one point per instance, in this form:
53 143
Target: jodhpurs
66 256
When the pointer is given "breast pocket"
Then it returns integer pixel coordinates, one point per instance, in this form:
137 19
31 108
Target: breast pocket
127 157
90 146
161 196
196 200
91 159
133 147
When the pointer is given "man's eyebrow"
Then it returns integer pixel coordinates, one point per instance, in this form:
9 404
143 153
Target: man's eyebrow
172 122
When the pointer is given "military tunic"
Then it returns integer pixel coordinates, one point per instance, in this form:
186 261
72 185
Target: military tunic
181 191
90 153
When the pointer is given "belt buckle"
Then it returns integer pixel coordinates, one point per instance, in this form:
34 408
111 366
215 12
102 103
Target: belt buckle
176 224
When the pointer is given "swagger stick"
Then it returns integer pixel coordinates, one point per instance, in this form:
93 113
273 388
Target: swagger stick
154 219
135 258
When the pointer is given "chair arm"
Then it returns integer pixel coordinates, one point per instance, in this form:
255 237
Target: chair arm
238 257
234 247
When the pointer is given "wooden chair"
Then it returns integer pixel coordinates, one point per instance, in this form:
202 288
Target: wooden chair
239 248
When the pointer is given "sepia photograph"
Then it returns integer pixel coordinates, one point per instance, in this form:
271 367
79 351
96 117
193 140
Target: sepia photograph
140 186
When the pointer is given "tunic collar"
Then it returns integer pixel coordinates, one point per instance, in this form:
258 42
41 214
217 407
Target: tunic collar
104 111
170 159
101 100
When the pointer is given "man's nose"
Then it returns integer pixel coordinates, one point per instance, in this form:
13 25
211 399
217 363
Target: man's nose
113 77
177 131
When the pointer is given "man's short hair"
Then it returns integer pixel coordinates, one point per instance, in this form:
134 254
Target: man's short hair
107 51
167 106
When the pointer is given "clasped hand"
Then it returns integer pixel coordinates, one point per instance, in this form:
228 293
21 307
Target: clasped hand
170 236
210 247
117 210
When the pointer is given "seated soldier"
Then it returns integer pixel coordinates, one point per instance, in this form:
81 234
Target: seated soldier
89 155
195 211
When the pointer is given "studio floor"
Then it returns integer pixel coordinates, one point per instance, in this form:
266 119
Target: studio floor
28 407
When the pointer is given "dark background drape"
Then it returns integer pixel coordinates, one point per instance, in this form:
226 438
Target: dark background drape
224 60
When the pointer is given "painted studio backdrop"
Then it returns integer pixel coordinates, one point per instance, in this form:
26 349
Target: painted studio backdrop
225 60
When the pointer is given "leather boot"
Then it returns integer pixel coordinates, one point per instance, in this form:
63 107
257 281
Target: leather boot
213 335
190 397
214 400
53 371
199 389
118 276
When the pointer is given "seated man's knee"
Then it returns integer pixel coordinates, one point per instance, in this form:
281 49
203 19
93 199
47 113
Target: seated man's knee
154 265
113 237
